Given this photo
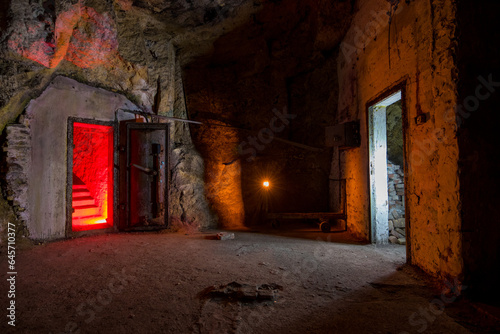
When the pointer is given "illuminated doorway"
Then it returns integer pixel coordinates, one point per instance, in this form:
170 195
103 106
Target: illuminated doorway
387 166
91 156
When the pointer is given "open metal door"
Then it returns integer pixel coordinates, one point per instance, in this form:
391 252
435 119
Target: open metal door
144 176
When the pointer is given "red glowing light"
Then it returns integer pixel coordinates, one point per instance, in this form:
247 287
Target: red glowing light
92 177
93 40
82 36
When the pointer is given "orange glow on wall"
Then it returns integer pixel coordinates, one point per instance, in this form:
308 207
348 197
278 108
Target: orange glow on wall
92 191
223 181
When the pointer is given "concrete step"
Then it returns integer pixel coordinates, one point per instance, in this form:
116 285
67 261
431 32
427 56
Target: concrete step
77 193
85 218
83 201
85 211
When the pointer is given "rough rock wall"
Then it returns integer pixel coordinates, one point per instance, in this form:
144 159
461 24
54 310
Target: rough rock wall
16 168
282 61
419 54
187 192
395 144
103 44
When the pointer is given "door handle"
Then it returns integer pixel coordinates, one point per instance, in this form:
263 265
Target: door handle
146 170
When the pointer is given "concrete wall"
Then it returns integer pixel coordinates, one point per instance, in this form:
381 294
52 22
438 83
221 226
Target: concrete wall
47 118
419 55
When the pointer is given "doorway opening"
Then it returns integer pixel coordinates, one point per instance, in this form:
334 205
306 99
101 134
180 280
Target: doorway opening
92 177
387 161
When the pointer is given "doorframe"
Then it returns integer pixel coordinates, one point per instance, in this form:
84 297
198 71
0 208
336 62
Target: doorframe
69 177
400 85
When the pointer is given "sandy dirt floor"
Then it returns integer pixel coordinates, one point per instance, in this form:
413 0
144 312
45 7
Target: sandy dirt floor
153 283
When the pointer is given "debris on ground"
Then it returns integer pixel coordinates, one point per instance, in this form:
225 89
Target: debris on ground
225 236
235 291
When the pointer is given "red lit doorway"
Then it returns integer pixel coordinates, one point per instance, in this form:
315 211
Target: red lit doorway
90 175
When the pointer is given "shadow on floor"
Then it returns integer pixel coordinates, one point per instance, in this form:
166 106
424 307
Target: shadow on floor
305 230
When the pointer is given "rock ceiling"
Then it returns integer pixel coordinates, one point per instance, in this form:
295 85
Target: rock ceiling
41 28
194 25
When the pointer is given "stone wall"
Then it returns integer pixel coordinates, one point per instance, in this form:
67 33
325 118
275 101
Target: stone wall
17 169
396 190
188 202
395 144
284 63
418 56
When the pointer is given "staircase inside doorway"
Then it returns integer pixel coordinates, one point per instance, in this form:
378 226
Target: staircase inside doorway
85 211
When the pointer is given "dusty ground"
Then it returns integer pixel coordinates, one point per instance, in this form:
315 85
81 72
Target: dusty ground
150 283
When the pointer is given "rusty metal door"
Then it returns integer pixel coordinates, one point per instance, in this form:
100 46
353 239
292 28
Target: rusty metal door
144 176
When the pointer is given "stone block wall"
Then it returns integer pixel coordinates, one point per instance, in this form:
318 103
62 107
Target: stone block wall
17 150
396 189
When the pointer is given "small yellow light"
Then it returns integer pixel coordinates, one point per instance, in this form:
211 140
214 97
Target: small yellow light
266 184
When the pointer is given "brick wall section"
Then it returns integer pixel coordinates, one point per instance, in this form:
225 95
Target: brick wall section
18 153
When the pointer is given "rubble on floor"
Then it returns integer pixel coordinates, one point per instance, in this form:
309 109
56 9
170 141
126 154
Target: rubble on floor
225 236
235 291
